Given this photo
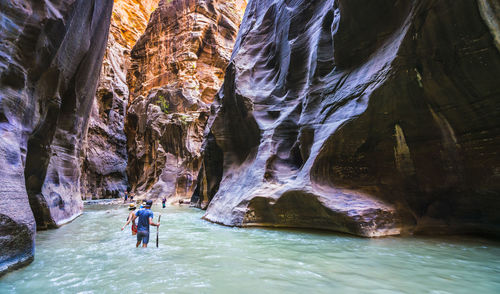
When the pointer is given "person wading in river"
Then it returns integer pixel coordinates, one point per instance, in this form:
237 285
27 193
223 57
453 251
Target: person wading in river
132 208
145 219
163 201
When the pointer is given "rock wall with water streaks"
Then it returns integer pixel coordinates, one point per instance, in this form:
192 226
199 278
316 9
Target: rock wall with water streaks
105 158
177 67
367 117
50 57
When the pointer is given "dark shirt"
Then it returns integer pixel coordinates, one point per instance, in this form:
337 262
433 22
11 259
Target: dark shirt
143 215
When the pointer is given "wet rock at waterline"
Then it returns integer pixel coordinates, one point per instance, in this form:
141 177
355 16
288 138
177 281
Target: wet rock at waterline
105 154
50 57
177 67
366 117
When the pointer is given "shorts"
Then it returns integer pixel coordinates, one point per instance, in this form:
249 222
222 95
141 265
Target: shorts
143 236
134 229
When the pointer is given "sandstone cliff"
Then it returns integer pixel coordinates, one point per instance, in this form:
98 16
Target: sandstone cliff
177 67
50 57
366 117
105 157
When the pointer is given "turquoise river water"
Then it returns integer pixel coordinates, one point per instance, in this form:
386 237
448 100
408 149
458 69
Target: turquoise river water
92 255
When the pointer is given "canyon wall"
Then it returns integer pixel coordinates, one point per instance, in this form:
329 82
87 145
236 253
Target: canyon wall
105 158
177 66
366 117
50 58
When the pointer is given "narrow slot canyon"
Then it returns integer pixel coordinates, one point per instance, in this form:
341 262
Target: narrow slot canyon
258 122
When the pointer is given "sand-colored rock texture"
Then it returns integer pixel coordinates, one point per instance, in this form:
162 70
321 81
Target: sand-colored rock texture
367 117
176 69
50 57
105 158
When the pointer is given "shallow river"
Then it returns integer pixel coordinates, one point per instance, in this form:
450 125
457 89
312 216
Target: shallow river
92 255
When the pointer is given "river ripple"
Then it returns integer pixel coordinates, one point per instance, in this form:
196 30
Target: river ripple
92 255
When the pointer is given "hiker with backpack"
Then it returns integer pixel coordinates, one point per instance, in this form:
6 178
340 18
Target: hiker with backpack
145 217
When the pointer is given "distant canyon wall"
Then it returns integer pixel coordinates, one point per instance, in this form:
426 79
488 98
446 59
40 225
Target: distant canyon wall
367 117
177 67
105 158
50 57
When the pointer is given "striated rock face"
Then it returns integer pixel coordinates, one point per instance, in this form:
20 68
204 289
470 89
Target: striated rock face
177 67
50 57
105 159
129 20
366 117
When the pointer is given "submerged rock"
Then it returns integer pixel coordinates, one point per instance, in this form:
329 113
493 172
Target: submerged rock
50 57
177 67
105 155
367 117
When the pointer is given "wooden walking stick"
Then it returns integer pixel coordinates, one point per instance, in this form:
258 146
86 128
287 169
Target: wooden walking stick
157 231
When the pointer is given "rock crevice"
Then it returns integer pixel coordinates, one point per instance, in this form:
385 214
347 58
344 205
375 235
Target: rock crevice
105 154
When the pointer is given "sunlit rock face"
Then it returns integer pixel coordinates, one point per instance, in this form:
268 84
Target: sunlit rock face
177 67
50 58
105 157
367 117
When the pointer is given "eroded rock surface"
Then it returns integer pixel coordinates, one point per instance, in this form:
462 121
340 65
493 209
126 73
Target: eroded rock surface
50 57
105 160
366 117
177 67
